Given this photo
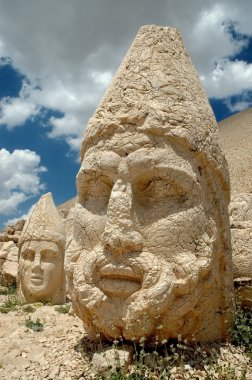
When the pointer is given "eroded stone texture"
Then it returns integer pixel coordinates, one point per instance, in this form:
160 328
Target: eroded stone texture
106 360
149 250
12 232
41 274
241 231
8 262
9 252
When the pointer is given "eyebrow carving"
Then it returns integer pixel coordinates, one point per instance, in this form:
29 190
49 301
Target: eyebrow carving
50 251
176 175
139 167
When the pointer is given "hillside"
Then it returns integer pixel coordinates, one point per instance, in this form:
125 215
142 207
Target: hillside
236 140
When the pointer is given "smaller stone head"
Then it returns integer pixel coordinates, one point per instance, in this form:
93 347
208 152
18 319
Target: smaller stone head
41 255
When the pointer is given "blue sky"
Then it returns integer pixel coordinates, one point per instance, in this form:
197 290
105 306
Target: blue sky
57 59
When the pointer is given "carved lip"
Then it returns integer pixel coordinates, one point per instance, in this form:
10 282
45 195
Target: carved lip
119 281
36 277
120 272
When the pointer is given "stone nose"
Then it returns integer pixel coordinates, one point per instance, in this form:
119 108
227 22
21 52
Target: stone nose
36 262
120 235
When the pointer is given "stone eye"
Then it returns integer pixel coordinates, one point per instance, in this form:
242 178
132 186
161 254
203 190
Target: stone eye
28 254
48 255
94 192
100 187
92 184
160 188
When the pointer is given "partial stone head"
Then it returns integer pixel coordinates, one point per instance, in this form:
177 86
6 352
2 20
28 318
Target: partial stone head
240 209
149 252
41 254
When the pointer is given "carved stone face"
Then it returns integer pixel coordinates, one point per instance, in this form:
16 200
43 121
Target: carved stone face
241 232
41 268
240 209
142 242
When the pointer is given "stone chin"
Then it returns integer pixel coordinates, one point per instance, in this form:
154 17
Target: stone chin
35 289
141 296
36 286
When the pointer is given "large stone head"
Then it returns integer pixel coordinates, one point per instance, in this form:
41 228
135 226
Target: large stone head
149 250
41 255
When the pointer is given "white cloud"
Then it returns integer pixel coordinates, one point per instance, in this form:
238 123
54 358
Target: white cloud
74 100
67 125
10 204
74 48
102 78
20 178
210 41
240 103
12 221
228 78
15 111
239 106
70 127
68 52
212 47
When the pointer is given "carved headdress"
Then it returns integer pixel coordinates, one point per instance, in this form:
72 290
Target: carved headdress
44 223
156 90
155 104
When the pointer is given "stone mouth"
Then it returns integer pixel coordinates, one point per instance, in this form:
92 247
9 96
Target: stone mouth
119 271
36 278
119 281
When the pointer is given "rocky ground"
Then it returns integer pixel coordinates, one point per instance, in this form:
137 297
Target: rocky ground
62 351
59 351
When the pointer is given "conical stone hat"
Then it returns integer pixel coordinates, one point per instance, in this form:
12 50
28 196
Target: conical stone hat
44 223
157 90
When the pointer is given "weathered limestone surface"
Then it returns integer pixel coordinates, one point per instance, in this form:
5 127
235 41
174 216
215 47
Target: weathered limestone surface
9 252
49 354
149 251
41 248
12 232
113 358
61 352
241 232
8 262
235 135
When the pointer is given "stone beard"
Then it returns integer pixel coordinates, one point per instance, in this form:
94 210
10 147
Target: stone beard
41 271
143 258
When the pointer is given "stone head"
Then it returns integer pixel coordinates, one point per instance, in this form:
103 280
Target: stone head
149 250
240 209
41 255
